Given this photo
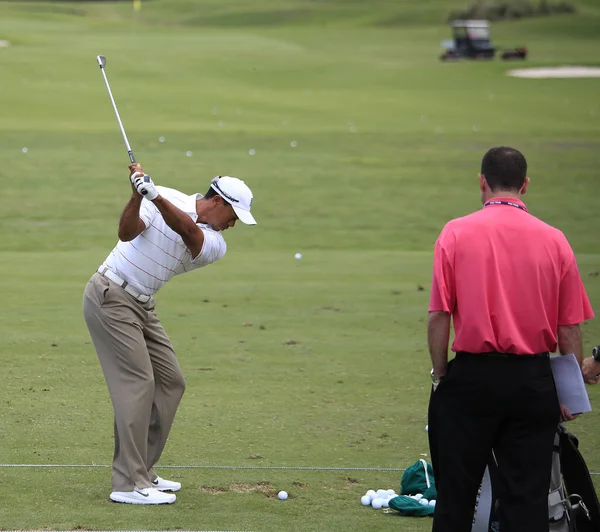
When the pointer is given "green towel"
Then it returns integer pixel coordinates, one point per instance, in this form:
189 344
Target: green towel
410 507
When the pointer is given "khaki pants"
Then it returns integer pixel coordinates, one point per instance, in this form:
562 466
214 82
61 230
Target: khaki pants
143 376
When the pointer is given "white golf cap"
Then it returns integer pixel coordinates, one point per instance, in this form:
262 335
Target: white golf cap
235 192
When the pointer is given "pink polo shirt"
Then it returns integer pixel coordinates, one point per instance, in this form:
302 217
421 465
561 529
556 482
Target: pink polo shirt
508 279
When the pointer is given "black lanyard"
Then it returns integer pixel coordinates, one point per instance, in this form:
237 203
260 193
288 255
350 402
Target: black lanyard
497 202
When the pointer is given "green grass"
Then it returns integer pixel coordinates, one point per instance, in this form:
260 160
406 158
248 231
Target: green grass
314 363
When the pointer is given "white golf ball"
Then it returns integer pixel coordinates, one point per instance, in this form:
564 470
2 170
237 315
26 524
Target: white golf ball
161 139
25 150
371 494
377 503
426 428
251 152
188 153
418 496
298 256
293 144
365 500
391 493
381 494
424 502
385 503
282 495
432 502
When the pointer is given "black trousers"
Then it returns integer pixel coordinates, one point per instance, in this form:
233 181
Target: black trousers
503 403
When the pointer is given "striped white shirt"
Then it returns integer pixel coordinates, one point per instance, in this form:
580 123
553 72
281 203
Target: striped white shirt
158 253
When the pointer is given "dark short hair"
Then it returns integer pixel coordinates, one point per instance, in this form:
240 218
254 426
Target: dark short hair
211 193
504 168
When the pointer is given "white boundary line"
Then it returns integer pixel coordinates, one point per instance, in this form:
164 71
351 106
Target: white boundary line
282 468
278 468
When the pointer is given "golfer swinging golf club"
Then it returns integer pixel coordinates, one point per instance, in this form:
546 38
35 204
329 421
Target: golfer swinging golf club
162 233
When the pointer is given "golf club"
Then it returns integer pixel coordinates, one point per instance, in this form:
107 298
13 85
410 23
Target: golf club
102 62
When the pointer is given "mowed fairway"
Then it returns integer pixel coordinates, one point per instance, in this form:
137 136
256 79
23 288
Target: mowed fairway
364 145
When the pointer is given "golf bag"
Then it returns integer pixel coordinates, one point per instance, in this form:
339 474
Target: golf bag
572 501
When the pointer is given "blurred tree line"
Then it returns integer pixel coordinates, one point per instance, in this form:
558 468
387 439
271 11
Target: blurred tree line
512 9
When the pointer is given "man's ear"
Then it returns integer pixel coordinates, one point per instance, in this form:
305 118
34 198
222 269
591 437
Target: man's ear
525 185
482 182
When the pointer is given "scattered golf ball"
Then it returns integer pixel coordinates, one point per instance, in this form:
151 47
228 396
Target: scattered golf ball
385 503
298 256
188 153
381 494
365 500
432 502
377 503
161 139
282 495
424 502
418 496
221 123
391 493
426 428
293 144
251 152
25 150
215 111
371 493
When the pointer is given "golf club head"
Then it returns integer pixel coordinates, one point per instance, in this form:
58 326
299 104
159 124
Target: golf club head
101 60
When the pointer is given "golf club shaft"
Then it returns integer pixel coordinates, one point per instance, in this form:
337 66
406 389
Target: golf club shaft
131 157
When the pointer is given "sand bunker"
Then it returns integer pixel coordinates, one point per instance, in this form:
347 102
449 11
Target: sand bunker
556 72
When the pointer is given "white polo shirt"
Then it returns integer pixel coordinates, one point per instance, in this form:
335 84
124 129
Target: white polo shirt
158 253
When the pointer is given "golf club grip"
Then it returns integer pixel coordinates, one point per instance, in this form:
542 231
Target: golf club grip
131 157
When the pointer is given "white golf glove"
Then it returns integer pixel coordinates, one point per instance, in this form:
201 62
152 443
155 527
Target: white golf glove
144 185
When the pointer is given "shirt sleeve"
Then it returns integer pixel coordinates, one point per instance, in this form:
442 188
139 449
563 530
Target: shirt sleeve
443 286
213 249
147 212
573 303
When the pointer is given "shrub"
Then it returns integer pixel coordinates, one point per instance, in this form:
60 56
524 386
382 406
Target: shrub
512 9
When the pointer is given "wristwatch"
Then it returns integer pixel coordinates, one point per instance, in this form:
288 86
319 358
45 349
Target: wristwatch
435 380
596 353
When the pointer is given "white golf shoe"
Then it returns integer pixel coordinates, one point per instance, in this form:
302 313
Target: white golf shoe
143 496
165 485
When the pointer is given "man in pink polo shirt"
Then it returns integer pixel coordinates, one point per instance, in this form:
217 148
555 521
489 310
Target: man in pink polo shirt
510 284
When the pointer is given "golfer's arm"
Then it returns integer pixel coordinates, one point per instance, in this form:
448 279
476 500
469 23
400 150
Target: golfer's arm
182 224
438 336
130 224
569 341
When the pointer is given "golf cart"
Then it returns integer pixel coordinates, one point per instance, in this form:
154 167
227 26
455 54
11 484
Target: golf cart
472 41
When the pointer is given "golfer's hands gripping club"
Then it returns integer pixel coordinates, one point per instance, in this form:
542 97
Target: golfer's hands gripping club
142 183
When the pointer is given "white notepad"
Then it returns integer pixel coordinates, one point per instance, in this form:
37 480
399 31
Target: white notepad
570 385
